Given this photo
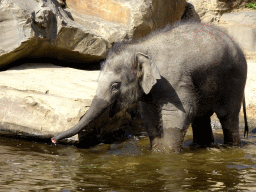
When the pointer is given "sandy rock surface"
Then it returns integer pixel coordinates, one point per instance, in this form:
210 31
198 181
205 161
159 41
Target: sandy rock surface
242 27
43 99
31 28
211 11
250 88
117 20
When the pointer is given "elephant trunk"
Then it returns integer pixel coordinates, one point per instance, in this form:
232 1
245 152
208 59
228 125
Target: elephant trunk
97 107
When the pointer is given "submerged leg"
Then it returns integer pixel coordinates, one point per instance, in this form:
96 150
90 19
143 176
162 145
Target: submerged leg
230 127
202 130
150 115
166 128
175 125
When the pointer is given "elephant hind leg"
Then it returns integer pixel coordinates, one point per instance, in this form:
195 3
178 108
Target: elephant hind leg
228 108
202 130
230 127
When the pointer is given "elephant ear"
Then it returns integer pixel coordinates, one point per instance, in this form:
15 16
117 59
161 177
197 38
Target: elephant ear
147 71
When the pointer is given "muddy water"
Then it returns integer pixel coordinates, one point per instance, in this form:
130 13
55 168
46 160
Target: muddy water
128 166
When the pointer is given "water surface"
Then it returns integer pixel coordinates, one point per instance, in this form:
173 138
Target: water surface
127 166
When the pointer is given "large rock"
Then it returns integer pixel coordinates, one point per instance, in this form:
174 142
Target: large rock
242 26
32 28
250 91
211 10
116 20
83 32
43 99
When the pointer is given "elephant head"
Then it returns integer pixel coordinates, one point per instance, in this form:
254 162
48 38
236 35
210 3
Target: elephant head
123 80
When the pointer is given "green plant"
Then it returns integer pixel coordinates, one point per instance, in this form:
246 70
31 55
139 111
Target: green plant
251 5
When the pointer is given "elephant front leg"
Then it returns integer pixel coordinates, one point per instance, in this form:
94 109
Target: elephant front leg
166 128
150 115
175 125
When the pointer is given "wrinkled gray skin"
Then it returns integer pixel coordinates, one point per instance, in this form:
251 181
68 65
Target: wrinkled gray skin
180 75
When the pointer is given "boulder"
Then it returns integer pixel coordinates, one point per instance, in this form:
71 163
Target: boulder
43 99
82 32
250 90
31 28
211 10
242 27
117 20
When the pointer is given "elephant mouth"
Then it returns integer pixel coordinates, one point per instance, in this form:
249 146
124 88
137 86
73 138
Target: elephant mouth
114 109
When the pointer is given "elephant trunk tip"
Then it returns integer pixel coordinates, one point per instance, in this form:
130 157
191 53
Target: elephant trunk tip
53 140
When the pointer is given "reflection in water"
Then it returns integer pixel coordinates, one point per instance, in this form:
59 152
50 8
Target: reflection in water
128 166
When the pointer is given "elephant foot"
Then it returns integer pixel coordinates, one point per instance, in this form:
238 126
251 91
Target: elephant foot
159 145
53 141
232 139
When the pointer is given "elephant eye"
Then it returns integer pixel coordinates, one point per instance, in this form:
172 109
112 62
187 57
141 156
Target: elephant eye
116 86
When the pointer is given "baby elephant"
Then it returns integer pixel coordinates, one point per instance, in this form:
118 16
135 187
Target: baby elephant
179 75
